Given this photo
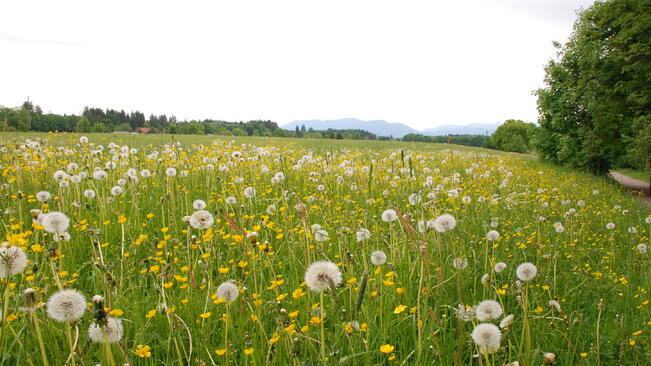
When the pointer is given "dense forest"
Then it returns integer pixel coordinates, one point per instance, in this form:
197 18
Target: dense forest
467 140
30 117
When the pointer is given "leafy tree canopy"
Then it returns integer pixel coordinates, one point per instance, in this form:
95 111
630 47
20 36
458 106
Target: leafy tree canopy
595 110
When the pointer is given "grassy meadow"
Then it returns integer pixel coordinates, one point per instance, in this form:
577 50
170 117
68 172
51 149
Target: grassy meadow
193 250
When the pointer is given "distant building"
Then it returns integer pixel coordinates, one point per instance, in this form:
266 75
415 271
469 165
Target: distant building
141 130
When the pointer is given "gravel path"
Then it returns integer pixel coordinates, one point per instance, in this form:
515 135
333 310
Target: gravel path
633 185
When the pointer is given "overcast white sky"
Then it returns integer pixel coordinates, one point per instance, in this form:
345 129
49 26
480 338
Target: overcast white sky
422 63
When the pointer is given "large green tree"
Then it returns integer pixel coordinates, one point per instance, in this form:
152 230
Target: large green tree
596 104
83 125
513 135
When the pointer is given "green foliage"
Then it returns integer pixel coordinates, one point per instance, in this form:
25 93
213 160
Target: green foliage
83 125
24 120
99 127
597 101
513 135
123 127
239 132
466 140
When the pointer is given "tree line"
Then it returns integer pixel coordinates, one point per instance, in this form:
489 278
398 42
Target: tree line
30 117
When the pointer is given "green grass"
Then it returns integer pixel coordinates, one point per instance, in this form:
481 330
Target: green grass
160 276
156 140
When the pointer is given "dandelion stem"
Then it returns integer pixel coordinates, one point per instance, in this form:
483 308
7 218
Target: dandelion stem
39 337
323 348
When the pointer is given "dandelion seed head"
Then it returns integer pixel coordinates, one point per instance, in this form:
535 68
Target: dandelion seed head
526 271
445 223
378 258
112 332
389 215
228 291
487 337
492 235
321 235
499 267
55 222
362 234
488 310
13 260
507 321
319 275
43 196
66 306
201 219
249 192
460 263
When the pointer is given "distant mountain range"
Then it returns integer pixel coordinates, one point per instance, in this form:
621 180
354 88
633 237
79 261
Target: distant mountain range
384 128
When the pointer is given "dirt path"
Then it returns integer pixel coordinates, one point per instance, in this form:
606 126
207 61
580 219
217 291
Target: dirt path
633 185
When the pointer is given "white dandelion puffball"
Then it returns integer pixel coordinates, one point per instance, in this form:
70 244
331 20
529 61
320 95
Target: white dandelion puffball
249 192
610 226
526 271
499 267
492 235
43 196
112 332
487 337
549 358
83 139
117 190
89 193
170 172
199 204
55 222
66 306
315 227
555 304
378 258
466 314
13 260
228 291
488 310
201 219
362 234
445 223
648 220
389 215
99 174
321 235
642 248
507 321
230 200
414 199
319 275
460 263
422 226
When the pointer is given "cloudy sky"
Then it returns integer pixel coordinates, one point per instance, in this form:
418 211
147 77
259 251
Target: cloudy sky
422 63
